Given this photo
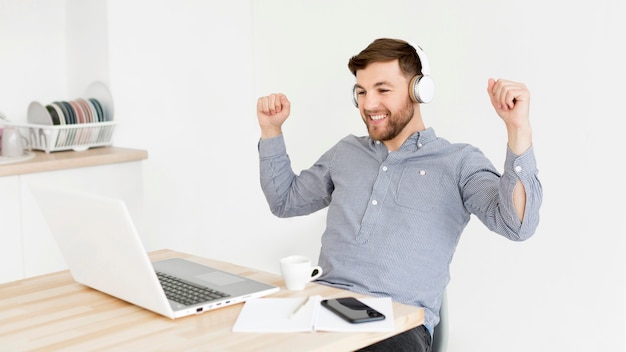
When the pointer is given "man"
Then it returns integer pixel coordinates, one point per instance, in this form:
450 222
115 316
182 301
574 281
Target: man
399 198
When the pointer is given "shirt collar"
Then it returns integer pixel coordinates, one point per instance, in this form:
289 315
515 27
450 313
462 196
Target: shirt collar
419 139
426 136
416 140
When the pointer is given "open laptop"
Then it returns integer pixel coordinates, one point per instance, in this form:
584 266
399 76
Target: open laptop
102 249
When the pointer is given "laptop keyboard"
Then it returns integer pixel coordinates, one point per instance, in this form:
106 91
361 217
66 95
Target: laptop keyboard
187 293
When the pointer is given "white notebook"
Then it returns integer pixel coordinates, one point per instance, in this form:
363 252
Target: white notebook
270 315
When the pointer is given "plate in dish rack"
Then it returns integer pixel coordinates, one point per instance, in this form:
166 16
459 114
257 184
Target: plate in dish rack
38 114
101 93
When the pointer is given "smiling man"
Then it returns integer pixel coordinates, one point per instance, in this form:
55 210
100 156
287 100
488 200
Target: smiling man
390 117
399 198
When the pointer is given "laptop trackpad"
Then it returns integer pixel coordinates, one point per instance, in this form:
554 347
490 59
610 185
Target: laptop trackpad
219 278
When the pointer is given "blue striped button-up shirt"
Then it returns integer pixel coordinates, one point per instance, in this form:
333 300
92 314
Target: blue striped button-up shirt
394 218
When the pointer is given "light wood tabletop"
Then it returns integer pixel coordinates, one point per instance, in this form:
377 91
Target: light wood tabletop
52 312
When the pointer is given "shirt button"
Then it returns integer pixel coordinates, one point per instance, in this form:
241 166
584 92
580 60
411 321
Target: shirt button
374 202
377 142
422 172
384 168
518 168
419 145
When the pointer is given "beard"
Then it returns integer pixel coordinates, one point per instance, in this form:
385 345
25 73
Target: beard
395 123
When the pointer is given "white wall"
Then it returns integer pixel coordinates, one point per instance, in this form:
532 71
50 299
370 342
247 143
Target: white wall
32 54
185 76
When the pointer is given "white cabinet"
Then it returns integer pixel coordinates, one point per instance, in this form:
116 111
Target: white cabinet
26 245
10 222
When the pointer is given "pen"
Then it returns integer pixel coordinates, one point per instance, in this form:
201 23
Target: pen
293 314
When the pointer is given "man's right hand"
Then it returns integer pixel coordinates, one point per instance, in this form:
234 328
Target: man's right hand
272 111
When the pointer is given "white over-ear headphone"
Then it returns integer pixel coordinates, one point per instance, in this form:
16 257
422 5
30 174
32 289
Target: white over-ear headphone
421 87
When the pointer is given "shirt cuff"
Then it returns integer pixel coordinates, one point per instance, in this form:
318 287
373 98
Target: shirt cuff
523 166
271 147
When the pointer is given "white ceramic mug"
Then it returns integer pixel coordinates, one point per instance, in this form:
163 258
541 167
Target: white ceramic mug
297 271
13 143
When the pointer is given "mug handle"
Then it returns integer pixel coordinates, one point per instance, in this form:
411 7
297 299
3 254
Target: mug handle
26 142
316 272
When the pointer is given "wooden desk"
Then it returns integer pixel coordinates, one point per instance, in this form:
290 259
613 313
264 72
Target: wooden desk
52 312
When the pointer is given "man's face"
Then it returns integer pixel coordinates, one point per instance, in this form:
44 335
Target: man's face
383 95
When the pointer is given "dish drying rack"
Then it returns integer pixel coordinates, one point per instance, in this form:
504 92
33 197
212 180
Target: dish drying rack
78 137
76 125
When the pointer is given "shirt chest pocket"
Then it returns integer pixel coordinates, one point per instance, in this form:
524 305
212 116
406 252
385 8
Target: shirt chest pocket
420 189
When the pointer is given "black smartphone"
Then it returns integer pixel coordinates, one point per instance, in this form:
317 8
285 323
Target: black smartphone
352 310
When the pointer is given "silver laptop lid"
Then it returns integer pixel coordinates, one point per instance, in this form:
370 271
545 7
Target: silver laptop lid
101 247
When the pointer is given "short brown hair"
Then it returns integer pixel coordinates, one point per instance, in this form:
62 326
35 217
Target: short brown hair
385 49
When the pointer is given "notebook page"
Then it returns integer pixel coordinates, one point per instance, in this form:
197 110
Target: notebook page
272 315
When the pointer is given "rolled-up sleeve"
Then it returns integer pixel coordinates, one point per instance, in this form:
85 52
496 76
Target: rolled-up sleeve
524 168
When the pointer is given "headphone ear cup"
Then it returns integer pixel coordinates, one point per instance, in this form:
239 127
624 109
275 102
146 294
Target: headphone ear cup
422 89
355 99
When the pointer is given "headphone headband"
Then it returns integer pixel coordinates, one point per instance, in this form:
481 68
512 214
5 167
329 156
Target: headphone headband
423 60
